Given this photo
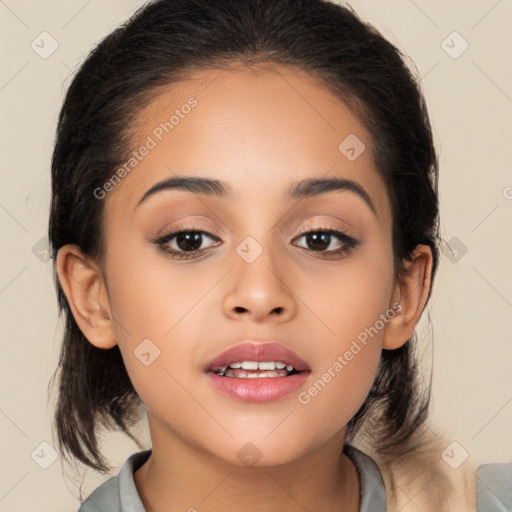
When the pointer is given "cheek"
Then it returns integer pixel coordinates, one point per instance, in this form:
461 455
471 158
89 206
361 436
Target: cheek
149 295
339 386
350 296
352 309
158 312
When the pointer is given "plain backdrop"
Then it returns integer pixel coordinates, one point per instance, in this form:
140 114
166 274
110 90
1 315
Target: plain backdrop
469 95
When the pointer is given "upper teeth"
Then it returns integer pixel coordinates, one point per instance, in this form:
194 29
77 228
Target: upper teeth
258 365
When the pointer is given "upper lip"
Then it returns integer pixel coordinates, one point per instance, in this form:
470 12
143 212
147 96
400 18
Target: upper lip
256 351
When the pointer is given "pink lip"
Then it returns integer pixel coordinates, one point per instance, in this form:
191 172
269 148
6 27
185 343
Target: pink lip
264 389
250 351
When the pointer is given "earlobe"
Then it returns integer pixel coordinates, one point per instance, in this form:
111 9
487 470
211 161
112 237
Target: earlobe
411 292
84 287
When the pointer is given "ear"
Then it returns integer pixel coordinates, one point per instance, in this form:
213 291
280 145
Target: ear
411 292
83 284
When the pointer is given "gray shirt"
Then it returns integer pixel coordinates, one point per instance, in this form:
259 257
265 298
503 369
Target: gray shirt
494 486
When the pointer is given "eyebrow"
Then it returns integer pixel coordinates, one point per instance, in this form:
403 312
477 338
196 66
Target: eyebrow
307 188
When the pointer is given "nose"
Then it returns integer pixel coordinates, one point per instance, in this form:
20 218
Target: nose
260 291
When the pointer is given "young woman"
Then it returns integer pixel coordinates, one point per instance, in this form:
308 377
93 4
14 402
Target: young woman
244 226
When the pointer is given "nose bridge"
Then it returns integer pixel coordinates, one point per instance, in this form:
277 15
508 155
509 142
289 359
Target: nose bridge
260 242
259 280
259 260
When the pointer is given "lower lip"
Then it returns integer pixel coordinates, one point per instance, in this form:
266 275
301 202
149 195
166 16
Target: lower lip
265 389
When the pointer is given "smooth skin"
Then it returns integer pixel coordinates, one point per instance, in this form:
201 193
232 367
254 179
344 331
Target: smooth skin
259 130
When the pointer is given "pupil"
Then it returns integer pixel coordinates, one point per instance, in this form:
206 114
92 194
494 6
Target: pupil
313 240
190 241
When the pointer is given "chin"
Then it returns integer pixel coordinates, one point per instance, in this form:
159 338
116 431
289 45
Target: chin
260 454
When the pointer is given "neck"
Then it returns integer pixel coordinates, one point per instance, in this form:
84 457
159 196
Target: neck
180 477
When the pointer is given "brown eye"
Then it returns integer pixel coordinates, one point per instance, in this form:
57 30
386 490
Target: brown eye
322 239
183 243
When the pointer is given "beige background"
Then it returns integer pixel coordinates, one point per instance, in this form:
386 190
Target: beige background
470 102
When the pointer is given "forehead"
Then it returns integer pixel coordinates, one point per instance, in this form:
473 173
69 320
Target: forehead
258 129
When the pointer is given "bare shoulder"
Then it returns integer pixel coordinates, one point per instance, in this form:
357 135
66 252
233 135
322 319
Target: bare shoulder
429 476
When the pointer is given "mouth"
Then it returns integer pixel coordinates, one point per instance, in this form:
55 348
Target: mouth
257 360
257 372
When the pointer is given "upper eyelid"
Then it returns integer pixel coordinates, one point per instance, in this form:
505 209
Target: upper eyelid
327 227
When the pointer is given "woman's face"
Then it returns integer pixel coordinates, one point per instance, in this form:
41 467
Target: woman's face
257 278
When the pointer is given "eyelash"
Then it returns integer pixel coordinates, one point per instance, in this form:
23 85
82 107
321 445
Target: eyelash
349 243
